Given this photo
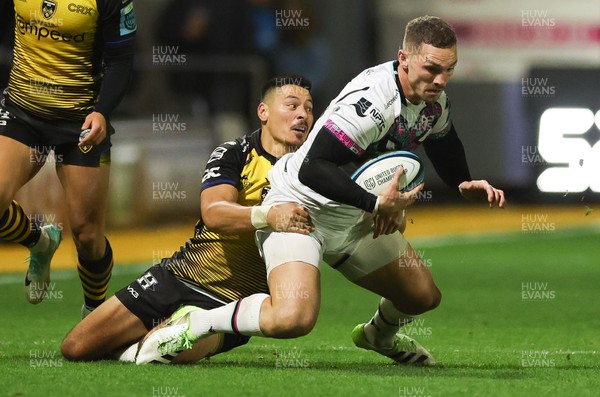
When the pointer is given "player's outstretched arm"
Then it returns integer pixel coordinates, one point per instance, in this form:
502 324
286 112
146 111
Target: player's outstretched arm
221 213
482 190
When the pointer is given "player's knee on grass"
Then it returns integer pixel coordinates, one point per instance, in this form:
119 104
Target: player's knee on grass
73 347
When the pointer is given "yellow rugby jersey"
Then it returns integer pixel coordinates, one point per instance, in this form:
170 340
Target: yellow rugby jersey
229 267
58 53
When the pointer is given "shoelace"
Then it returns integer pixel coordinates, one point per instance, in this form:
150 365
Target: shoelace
406 344
180 342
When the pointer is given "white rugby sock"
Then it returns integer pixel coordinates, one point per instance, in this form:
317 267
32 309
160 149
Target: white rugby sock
238 317
385 324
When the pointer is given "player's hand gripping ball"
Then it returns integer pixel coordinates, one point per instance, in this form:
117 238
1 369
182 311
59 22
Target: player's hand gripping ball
376 174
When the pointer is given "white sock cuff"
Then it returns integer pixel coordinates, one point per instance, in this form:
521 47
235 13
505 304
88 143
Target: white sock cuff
390 315
246 316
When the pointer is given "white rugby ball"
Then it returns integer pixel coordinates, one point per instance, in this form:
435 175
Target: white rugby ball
376 174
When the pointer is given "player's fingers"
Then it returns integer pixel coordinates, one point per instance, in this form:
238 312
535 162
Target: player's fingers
303 220
304 225
86 138
414 193
91 139
411 196
396 178
391 228
490 195
300 210
502 199
394 187
379 225
301 229
86 123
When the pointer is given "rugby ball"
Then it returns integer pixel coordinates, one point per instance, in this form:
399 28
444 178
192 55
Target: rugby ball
376 174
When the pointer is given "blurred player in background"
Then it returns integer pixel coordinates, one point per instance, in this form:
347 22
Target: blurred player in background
7 28
221 263
72 63
393 106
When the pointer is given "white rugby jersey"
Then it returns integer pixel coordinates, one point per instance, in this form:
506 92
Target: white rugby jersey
369 116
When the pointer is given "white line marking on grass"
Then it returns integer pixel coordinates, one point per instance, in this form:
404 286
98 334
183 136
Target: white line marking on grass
72 274
469 239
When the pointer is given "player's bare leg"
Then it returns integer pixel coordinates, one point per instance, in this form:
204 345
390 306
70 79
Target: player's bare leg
112 329
407 289
291 311
406 282
103 332
20 163
86 192
293 306
18 168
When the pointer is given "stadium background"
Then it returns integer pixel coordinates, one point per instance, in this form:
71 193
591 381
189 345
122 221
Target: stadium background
516 60
519 314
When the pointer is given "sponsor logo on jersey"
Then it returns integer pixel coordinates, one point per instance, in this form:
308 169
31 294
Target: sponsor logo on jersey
43 32
133 292
127 23
377 117
217 154
362 106
79 9
345 139
48 8
391 101
211 173
147 281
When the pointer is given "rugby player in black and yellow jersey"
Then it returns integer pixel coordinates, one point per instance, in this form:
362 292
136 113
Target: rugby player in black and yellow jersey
221 262
72 63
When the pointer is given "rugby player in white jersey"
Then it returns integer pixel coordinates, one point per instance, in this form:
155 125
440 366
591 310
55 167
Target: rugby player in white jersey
397 105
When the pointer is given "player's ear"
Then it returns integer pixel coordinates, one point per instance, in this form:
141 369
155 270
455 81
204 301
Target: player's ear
263 112
402 58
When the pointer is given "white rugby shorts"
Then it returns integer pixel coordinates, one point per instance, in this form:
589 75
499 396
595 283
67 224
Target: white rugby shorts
366 254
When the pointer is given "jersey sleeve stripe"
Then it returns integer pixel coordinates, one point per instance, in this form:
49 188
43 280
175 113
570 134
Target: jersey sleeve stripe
219 182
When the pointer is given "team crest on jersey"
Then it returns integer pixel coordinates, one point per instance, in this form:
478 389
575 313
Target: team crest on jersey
361 106
48 8
86 149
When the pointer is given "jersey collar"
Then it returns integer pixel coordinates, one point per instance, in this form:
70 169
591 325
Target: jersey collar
395 65
255 137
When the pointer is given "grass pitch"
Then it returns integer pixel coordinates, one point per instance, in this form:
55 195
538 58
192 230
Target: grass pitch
519 317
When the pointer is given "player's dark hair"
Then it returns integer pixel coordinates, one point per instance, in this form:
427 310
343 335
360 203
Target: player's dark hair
428 30
285 79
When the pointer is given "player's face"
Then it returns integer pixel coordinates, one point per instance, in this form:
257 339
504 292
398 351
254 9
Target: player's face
290 115
428 71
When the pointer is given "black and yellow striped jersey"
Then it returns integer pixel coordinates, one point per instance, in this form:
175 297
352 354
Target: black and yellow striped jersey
60 46
228 266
